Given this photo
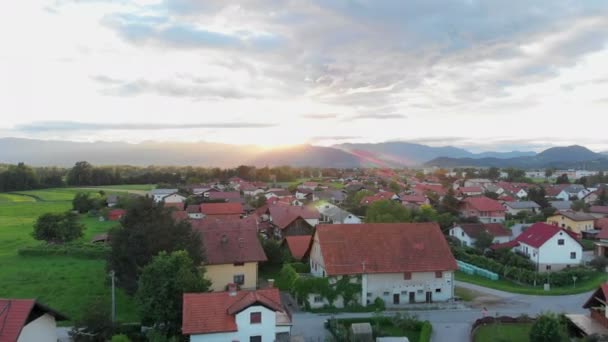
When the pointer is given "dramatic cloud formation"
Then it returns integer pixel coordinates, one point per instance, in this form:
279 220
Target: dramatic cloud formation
478 74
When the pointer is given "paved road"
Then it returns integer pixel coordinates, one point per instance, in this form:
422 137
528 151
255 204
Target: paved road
454 325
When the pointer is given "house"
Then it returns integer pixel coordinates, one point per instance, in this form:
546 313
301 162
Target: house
289 220
232 251
280 193
570 192
470 191
467 233
251 190
159 194
550 247
304 194
222 210
174 205
380 196
174 198
112 200
203 191
601 245
421 189
329 195
599 211
476 182
400 263
514 208
179 215
574 221
227 196
485 209
247 316
194 211
333 214
309 185
116 214
27 320
561 205
297 245
591 197
414 201
596 323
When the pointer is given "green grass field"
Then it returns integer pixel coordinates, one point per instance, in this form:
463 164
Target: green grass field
509 286
67 194
517 332
64 283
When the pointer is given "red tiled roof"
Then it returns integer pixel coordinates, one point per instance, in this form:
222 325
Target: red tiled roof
16 313
511 244
227 195
380 196
601 293
413 199
193 208
176 206
179 215
227 241
298 245
599 209
484 204
205 313
222 208
116 214
384 248
421 188
539 233
470 189
474 229
283 215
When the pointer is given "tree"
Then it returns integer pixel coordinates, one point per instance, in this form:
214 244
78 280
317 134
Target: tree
359 195
547 328
147 229
490 194
161 287
515 175
484 240
548 173
493 173
57 228
81 174
449 203
602 198
386 211
579 205
18 177
394 187
82 202
599 263
537 194
562 179
95 325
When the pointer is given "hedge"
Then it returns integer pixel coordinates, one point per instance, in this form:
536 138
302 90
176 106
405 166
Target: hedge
426 331
73 249
523 275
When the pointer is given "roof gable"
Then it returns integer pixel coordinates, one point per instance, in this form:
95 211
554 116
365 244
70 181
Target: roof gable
17 313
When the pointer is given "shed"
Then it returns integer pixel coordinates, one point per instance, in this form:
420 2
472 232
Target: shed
361 332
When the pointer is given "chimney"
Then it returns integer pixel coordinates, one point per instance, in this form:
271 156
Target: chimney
270 283
232 289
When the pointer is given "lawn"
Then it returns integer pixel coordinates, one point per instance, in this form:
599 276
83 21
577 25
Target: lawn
509 286
4 197
67 194
387 328
515 332
64 283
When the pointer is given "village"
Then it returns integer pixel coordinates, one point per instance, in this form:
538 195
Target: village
362 241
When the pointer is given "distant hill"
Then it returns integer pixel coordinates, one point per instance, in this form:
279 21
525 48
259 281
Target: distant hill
411 154
307 155
559 157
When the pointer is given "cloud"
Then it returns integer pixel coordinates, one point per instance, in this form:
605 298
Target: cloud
320 116
378 116
335 137
66 126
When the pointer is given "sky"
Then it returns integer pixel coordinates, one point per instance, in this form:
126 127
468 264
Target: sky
484 75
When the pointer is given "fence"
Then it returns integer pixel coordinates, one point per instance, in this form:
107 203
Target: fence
474 270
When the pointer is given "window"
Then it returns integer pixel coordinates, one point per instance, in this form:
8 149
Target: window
255 338
407 276
318 299
255 318
239 264
437 290
560 242
369 294
548 267
386 293
572 255
239 279
438 274
462 234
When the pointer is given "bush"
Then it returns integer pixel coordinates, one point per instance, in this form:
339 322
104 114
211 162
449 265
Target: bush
73 249
120 338
379 304
300 267
425 332
599 263
547 328
287 278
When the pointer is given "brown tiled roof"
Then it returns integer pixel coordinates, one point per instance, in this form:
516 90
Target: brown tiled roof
599 209
222 208
483 203
283 215
298 245
384 248
576 216
474 229
179 215
226 195
602 224
15 314
227 241
214 312
193 208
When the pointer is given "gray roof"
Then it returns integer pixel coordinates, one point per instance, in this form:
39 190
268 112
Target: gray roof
561 205
522 205
335 195
335 213
162 191
574 188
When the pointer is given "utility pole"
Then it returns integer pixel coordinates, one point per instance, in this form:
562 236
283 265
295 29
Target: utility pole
112 274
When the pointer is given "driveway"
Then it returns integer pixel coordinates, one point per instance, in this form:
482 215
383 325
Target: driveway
455 325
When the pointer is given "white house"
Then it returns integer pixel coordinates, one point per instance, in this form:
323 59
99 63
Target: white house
400 263
467 233
174 198
550 247
159 194
26 320
515 208
331 213
249 316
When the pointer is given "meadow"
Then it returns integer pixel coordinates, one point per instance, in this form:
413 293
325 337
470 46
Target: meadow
67 284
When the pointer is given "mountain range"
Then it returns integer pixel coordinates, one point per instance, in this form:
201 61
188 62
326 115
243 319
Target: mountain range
388 154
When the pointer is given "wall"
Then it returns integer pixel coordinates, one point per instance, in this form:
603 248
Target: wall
267 329
42 329
317 265
554 255
565 222
175 198
464 239
421 282
222 275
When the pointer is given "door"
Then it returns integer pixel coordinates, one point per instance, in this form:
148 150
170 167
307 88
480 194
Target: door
412 297
429 297
396 299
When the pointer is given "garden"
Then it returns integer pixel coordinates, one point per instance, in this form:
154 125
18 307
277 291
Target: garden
395 326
